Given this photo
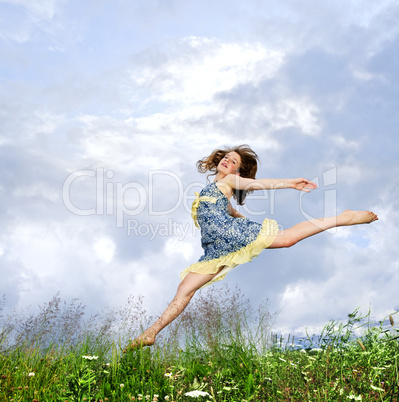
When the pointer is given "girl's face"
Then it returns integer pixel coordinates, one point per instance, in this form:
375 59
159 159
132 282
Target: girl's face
230 163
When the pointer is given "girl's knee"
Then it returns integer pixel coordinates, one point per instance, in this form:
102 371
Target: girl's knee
289 242
186 290
284 241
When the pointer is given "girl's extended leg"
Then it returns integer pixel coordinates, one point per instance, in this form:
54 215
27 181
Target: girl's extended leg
291 236
186 290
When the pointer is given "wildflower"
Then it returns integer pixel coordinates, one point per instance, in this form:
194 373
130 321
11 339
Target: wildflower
167 398
302 351
376 388
354 397
196 393
31 374
147 397
122 385
168 375
90 357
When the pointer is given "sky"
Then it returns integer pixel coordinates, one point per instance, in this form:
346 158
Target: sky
106 106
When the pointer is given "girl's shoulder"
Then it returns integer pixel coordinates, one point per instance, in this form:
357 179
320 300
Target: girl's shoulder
224 188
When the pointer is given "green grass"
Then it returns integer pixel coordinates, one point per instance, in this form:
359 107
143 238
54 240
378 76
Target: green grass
223 351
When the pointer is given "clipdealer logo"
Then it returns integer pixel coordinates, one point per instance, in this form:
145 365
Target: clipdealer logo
124 200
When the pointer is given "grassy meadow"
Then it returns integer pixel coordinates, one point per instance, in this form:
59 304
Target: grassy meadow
220 349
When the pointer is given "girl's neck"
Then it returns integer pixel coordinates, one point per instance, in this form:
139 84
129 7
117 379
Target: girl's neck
219 176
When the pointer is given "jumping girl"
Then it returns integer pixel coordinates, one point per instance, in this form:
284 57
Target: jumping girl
227 237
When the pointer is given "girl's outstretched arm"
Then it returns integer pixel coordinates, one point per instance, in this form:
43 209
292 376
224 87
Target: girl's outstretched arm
240 183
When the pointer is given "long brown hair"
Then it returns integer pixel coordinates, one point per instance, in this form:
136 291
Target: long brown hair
248 166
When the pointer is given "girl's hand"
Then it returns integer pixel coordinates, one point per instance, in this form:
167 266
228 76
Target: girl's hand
302 184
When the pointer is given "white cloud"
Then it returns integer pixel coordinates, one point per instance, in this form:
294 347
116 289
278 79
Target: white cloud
105 249
328 25
364 75
194 90
176 246
39 190
291 112
24 17
37 246
219 67
188 91
342 142
44 9
208 67
358 276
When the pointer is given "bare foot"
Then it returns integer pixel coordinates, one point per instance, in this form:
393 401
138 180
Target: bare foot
358 217
145 339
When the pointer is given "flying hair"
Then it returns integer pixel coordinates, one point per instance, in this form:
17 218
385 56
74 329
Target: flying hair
247 169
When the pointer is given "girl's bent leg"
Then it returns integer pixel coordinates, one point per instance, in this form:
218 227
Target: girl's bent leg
186 290
291 236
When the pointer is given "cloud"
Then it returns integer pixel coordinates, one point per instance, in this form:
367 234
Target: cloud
131 105
105 249
176 246
22 19
210 66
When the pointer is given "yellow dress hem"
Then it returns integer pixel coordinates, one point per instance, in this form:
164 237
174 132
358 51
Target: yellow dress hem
264 239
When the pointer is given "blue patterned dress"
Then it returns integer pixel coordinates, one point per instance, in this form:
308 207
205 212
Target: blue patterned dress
227 241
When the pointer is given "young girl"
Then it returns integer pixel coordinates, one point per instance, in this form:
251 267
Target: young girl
230 239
